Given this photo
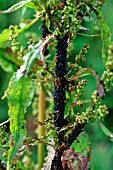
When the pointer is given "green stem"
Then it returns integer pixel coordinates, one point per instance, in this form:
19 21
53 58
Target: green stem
41 129
8 165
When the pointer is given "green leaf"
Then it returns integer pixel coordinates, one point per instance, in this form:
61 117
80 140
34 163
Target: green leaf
69 100
15 7
5 35
32 5
29 60
6 65
48 22
8 61
19 96
20 93
105 35
35 54
106 131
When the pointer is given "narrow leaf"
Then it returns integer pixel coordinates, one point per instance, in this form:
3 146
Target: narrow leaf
106 131
15 7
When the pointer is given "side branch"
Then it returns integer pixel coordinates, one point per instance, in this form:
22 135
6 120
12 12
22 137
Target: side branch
74 134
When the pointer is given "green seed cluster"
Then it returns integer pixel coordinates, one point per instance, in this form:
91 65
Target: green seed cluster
73 67
107 76
101 112
3 136
52 132
91 114
107 79
95 98
82 53
27 161
81 103
84 117
80 88
109 63
13 37
69 21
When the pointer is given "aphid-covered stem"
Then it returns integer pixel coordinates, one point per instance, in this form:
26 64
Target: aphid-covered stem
74 134
59 94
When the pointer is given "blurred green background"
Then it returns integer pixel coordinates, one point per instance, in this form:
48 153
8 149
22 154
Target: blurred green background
102 148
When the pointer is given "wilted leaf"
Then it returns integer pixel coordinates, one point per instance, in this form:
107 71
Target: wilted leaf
72 160
100 88
49 158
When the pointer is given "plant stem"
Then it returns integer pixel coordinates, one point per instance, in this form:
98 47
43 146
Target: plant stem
8 165
56 162
59 95
59 102
41 129
41 114
60 82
